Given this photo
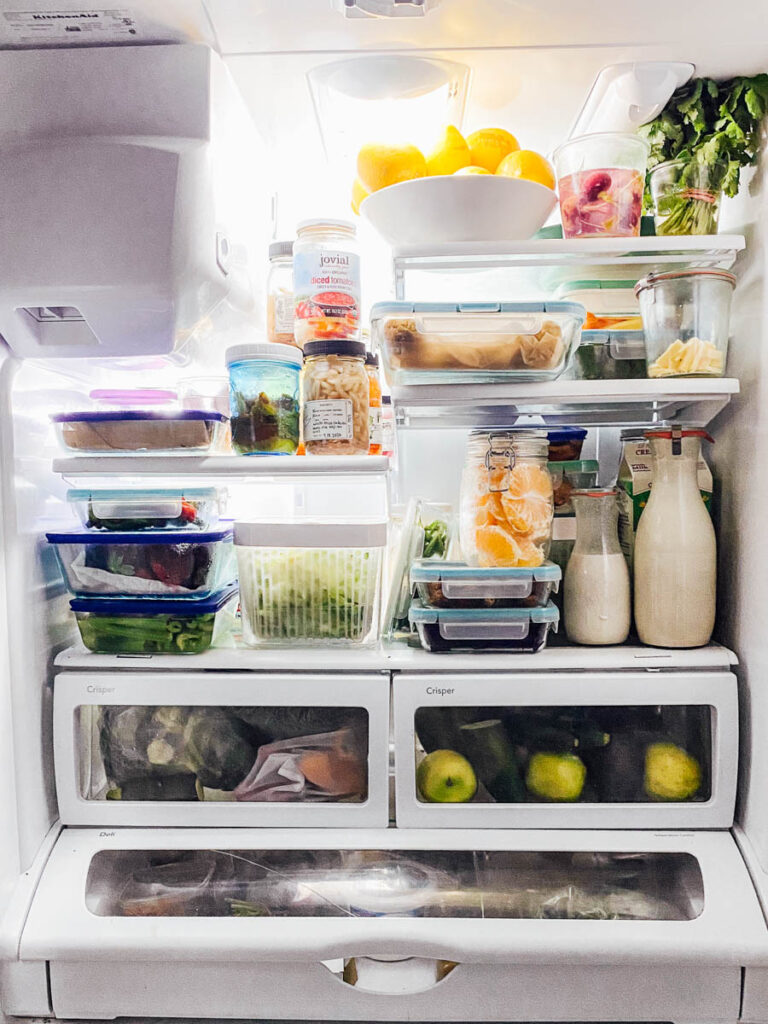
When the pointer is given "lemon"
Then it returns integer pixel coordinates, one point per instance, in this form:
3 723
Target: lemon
450 154
472 170
671 773
524 163
359 193
489 146
556 776
379 166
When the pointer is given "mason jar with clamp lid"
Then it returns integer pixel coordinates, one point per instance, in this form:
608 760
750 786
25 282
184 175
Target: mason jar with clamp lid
506 499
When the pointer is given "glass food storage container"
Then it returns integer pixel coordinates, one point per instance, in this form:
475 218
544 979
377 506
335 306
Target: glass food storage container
177 564
280 293
326 281
686 316
522 630
565 443
686 196
137 431
474 342
118 625
264 398
457 585
336 398
611 304
506 499
600 181
571 476
191 508
610 355
313 583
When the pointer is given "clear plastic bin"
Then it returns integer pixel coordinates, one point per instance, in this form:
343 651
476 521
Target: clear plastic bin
192 508
313 583
610 355
136 431
523 630
474 342
457 585
118 625
181 564
571 476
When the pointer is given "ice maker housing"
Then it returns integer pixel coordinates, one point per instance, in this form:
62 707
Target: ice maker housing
130 187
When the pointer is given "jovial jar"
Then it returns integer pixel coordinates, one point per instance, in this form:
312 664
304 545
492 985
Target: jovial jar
326 281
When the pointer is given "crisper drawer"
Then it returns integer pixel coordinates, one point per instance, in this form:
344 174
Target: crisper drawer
388 925
222 749
571 750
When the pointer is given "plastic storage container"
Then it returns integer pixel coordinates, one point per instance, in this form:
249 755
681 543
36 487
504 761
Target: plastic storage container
571 476
565 443
474 342
314 583
686 316
523 630
118 625
264 398
603 298
600 182
457 585
135 431
610 355
194 508
181 564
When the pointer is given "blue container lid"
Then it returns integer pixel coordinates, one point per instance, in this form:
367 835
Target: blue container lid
566 434
265 352
141 537
420 612
436 572
151 494
382 309
126 415
142 607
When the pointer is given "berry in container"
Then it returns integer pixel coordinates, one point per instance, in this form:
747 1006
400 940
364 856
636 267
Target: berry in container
192 508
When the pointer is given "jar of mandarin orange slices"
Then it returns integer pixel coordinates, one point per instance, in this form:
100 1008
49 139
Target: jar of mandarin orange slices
506 499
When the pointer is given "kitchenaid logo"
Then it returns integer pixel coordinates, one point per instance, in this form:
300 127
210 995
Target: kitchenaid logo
336 259
66 17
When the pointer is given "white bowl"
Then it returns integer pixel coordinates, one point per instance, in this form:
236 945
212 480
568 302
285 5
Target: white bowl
459 208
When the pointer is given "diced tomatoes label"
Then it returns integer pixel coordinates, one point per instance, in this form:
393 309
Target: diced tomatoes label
326 286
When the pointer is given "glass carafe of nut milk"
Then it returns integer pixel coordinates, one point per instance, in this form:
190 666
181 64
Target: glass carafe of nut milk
675 550
596 590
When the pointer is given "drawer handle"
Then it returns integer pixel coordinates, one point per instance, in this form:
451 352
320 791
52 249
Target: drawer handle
395 976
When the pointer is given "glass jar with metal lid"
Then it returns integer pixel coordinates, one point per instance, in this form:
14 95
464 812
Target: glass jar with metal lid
506 499
280 293
326 281
686 317
336 398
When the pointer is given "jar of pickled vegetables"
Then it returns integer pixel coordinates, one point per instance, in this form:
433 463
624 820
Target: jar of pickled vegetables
336 398
506 499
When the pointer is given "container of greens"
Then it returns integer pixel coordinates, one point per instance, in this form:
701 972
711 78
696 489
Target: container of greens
116 625
264 398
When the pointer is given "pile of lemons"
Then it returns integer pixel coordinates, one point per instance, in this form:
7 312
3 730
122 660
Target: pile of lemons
486 151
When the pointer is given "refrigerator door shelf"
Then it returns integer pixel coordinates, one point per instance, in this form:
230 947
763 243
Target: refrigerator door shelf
158 749
517 965
593 750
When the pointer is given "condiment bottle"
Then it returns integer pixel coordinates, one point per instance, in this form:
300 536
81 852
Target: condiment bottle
596 588
675 563
280 293
374 407
326 282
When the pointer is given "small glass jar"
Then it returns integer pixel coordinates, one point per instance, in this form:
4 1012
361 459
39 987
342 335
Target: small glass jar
686 196
264 398
326 282
280 294
374 408
506 499
336 398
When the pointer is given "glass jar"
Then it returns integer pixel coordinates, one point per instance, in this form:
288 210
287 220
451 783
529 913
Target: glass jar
675 558
336 398
686 318
596 589
686 196
506 499
374 408
326 282
264 398
600 182
280 293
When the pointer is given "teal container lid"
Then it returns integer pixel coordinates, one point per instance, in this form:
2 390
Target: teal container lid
575 466
151 494
437 572
382 309
419 612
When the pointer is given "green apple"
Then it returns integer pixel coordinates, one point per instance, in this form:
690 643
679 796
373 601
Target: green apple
445 777
556 776
671 773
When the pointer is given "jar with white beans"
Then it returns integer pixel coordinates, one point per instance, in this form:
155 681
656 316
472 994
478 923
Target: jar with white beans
335 394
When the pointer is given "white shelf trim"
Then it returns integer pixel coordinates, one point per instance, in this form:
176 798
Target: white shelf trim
240 466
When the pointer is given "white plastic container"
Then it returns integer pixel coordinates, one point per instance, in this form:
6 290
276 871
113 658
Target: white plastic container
313 583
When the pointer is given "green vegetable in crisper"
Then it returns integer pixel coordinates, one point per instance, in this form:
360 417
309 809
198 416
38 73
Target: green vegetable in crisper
711 126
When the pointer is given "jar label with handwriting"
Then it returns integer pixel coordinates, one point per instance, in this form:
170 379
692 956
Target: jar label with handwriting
375 432
328 420
284 313
326 285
